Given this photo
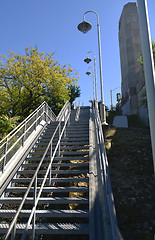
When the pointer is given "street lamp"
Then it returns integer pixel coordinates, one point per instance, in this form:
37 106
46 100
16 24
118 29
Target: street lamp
88 73
111 96
88 60
85 27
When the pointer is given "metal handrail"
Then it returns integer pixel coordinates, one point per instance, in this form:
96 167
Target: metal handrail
77 113
17 137
34 179
105 192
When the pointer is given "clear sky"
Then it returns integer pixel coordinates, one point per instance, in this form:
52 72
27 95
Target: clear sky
51 25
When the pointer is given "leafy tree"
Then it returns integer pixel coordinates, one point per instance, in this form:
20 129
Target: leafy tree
74 92
140 58
26 81
7 124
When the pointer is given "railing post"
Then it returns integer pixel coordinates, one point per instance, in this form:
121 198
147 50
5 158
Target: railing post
50 172
36 116
58 140
24 130
64 124
34 215
13 233
5 152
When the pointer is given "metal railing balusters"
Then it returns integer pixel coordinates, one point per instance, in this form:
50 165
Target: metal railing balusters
17 137
50 171
34 179
5 154
34 202
24 132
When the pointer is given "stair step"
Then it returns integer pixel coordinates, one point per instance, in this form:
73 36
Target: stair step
30 165
63 153
64 148
74 158
65 143
65 172
47 213
52 229
74 153
49 189
45 200
39 180
75 139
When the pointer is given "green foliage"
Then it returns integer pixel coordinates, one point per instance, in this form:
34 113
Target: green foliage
7 124
74 93
111 114
140 58
26 81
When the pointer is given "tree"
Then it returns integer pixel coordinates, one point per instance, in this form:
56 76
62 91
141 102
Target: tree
140 58
74 92
26 81
7 124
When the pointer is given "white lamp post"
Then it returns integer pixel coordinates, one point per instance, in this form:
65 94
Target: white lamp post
85 27
148 67
88 60
88 73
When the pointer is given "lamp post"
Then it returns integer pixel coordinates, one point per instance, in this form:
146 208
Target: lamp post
148 67
88 73
111 96
88 60
85 27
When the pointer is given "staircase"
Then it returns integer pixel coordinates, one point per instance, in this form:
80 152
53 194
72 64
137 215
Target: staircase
58 185
63 207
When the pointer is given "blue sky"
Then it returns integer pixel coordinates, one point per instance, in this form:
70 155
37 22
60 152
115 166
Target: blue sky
52 27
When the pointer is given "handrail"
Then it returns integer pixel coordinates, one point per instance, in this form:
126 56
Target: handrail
105 190
77 113
34 179
17 137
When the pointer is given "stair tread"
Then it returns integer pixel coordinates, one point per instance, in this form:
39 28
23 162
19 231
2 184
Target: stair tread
51 228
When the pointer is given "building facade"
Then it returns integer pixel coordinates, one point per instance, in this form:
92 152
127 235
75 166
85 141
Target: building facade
133 81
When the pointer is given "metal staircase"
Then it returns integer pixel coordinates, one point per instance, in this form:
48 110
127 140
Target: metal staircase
52 191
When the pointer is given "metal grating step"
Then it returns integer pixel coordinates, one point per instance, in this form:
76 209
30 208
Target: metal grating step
51 229
49 189
45 200
48 213
39 180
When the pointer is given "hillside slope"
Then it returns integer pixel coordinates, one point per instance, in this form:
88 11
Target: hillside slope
133 182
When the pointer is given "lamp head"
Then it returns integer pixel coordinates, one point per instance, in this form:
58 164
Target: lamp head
88 73
87 60
84 27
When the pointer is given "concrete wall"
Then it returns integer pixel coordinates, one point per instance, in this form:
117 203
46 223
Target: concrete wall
133 81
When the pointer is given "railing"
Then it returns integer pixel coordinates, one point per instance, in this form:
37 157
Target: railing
109 221
77 113
17 137
37 194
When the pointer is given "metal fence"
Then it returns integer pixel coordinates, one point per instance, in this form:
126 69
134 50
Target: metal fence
108 213
18 136
60 129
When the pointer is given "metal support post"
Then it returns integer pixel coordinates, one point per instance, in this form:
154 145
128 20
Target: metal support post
13 233
5 151
36 116
58 139
149 70
23 138
34 215
50 172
